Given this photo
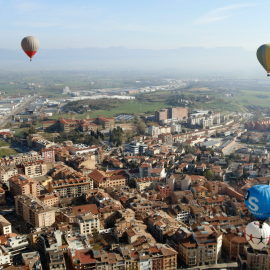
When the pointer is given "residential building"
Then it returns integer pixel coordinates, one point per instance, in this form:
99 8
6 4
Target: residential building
86 124
5 226
178 181
145 170
32 260
193 253
6 172
87 223
233 244
177 113
48 155
70 187
56 260
69 214
50 199
49 239
148 183
254 259
83 259
20 184
34 211
36 168
181 212
109 178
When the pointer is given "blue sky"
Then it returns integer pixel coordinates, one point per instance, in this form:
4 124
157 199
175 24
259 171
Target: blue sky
148 24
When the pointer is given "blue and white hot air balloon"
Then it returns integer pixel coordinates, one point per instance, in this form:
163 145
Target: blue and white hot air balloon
257 199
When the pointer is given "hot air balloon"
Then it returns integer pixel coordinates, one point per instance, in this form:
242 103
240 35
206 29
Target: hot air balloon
257 199
263 55
257 234
30 45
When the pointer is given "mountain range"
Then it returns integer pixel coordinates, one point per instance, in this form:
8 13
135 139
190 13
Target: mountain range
193 59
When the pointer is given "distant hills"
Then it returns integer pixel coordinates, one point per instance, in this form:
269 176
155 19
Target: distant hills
192 59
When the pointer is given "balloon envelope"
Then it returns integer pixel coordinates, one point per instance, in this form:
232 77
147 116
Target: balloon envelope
257 235
263 55
30 45
257 199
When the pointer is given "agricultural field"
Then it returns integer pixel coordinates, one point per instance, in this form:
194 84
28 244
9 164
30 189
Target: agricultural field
129 108
248 97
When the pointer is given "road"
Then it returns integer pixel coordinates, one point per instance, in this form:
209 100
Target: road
235 146
17 110
229 265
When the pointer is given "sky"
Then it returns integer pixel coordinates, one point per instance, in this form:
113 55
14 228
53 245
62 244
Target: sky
138 24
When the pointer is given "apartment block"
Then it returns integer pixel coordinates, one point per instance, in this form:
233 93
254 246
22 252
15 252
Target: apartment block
193 253
251 259
34 211
164 115
87 223
21 184
70 187
37 168
50 199
108 179
48 155
6 172
5 226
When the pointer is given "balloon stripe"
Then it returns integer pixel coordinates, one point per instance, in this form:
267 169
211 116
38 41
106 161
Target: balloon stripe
267 56
260 56
264 58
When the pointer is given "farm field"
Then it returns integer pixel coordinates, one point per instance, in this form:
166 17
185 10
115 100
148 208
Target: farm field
129 108
250 97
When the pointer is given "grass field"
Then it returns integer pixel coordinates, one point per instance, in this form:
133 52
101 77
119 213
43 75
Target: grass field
130 107
251 98
3 143
19 132
221 106
7 152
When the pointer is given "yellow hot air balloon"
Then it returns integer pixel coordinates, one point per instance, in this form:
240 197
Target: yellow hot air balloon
263 55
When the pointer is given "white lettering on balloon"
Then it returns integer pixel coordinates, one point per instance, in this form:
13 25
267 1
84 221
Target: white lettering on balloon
253 206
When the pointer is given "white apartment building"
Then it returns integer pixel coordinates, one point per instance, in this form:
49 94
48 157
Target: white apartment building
6 172
5 256
157 130
5 226
87 223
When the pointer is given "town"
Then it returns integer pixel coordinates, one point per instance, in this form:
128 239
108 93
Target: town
120 193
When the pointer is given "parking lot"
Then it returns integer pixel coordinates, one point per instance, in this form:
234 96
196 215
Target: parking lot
124 117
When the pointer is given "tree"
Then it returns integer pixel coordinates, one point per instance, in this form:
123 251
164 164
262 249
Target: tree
132 183
141 127
250 159
96 247
209 174
257 161
95 235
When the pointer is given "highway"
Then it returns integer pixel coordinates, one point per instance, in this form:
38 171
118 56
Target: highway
17 110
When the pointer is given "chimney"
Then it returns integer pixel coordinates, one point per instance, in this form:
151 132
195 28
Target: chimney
87 115
72 116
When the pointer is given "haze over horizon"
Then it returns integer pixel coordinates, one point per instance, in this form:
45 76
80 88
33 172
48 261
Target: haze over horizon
187 35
